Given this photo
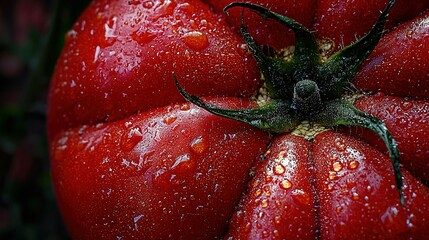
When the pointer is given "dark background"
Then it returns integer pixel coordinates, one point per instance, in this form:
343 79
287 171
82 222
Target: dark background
31 37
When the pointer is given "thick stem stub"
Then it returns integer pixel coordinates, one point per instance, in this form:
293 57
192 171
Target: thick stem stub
306 97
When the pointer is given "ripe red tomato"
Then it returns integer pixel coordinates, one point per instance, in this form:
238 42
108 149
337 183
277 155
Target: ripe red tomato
132 159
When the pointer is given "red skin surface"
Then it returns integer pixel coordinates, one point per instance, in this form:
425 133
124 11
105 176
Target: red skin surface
279 192
132 178
353 181
407 121
390 62
117 62
131 160
269 32
344 21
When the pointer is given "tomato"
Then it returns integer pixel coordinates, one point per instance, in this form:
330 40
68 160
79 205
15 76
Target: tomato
135 155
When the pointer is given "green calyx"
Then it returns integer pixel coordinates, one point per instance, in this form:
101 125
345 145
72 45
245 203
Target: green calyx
307 88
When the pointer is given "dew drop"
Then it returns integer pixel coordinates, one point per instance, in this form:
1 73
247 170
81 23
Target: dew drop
257 193
301 197
198 145
337 166
130 138
265 234
169 120
276 233
353 165
148 4
279 169
196 40
277 219
355 196
268 178
285 184
185 107
183 163
267 191
340 145
406 106
264 203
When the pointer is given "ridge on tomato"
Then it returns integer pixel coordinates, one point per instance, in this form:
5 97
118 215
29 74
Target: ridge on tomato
132 159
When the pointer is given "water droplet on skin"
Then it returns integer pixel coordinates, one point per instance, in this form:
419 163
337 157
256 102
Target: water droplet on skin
148 4
277 219
340 145
264 203
353 165
301 197
285 184
183 164
198 145
279 169
355 196
131 138
406 106
196 40
185 107
267 191
169 120
265 234
337 166
257 193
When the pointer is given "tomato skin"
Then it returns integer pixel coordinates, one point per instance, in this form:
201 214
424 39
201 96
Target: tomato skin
131 178
280 201
115 64
270 33
407 121
399 63
130 159
353 181
344 21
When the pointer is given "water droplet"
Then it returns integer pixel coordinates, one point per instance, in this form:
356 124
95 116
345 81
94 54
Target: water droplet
131 138
265 234
353 165
340 145
268 178
169 120
276 233
185 107
148 4
406 105
337 166
279 169
277 219
264 203
285 184
301 197
267 191
257 193
332 175
196 40
355 196
183 163
198 145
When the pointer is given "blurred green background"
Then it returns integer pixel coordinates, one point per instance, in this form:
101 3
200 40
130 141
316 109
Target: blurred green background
31 37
